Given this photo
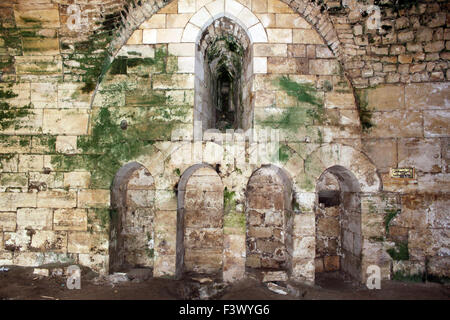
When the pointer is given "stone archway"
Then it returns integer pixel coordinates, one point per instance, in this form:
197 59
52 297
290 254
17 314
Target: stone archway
133 211
338 223
269 220
200 223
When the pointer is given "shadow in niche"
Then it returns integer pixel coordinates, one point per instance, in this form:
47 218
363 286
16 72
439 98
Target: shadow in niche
224 77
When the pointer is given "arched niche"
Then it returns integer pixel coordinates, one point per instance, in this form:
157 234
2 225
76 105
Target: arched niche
224 74
133 211
199 248
338 223
269 243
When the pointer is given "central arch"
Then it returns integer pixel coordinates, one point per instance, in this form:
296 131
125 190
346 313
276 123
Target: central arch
199 244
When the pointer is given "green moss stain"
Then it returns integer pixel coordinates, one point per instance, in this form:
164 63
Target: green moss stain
308 110
399 252
365 113
234 222
10 116
390 215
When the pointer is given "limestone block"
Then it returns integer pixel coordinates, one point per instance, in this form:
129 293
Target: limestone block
383 160
70 122
55 241
66 144
279 35
7 221
427 95
233 7
40 47
383 98
157 21
270 50
10 201
290 20
30 163
397 124
44 16
276 6
79 242
323 67
148 36
168 35
304 225
304 247
306 36
178 20
260 65
36 218
28 259
282 65
436 123
90 198
38 64
424 155
44 95
176 81
190 33
258 33
268 20
186 65
70 219
17 241
186 6
201 18
339 100
247 17
77 179
13 180
182 49
57 199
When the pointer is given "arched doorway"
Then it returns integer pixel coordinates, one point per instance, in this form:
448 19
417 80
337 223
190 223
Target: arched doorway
133 211
200 223
269 220
338 223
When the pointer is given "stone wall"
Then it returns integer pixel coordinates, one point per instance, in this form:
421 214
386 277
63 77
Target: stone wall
78 105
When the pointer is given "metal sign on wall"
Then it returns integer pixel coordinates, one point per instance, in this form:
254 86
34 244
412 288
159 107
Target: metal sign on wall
402 173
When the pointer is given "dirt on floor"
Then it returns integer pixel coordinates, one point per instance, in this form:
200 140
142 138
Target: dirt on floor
21 284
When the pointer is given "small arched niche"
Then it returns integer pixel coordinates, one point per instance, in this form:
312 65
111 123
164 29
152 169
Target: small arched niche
269 220
133 211
338 223
200 223
224 74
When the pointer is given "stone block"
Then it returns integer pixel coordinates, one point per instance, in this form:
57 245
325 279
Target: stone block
427 95
10 201
386 98
306 36
69 122
57 199
77 179
70 219
46 241
93 198
423 154
395 124
323 67
36 218
279 35
7 221
436 123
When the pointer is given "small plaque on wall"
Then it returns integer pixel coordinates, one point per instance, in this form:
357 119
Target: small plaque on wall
402 173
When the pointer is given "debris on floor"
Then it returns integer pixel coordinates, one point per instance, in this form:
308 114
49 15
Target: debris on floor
276 288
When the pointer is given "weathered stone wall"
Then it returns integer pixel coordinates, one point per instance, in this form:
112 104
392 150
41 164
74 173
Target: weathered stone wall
76 105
